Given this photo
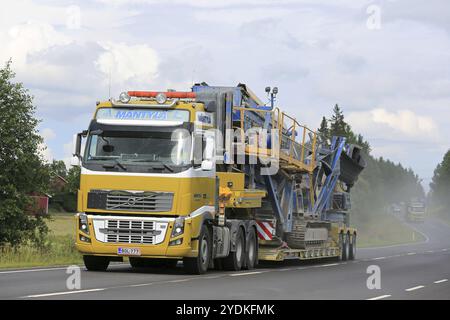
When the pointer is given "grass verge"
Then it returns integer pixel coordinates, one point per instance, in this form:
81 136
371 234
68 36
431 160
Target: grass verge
384 230
58 250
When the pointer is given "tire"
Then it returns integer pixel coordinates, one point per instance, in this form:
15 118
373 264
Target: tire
343 242
95 263
199 264
152 263
235 260
352 249
251 251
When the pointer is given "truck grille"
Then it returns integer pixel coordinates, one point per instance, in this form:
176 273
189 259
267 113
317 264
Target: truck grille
129 231
145 201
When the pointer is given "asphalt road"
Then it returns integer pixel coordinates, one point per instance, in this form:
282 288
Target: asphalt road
415 271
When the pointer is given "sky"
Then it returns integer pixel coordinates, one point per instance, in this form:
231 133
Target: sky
385 62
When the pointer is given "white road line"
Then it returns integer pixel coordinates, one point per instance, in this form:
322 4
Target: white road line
430 251
245 273
380 297
51 269
63 293
141 285
180 280
444 249
32 270
440 281
411 253
414 288
328 265
379 258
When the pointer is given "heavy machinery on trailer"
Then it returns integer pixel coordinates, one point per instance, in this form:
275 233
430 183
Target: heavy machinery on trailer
213 177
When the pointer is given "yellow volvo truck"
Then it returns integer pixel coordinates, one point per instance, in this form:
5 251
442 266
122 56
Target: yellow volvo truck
213 177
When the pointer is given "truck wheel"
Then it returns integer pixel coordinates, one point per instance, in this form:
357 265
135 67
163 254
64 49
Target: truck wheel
235 259
251 250
95 263
199 264
352 249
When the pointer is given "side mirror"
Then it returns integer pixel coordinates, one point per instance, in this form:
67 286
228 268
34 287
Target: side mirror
207 165
75 161
76 151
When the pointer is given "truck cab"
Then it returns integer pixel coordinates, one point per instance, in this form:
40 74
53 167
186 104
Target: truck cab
142 193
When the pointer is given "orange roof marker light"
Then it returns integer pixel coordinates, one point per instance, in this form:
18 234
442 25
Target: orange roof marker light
169 95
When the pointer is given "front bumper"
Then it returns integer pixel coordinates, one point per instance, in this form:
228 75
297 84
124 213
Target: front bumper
101 244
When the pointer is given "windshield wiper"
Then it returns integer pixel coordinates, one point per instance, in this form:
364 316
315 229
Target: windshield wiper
117 163
155 164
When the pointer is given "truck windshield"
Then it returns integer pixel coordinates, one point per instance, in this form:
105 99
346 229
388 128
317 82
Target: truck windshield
134 152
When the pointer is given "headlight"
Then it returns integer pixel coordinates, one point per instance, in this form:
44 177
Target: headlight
124 97
83 223
178 227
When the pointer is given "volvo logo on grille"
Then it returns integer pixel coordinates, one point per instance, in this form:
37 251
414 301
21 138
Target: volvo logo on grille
131 201
139 201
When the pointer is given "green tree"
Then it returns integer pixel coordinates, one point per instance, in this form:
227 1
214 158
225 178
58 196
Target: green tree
440 184
338 126
73 179
323 130
23 170
58 167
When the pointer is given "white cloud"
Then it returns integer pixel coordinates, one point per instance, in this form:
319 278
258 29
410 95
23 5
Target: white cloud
380 123
29 38
128 64
48 134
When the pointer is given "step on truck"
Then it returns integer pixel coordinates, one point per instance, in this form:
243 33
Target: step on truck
212 177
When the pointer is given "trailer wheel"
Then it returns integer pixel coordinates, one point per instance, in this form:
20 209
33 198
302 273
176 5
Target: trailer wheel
352 249
343 242
235 259
95 263
251 251
199 264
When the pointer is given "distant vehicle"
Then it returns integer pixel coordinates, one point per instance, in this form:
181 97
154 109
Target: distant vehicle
395 209
416 211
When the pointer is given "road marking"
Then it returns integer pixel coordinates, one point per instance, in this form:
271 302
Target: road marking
440 281
379 258
180 280
53 269
414 288
444 249
380 297
141 284
245 273
328 265
285 269
430 251
63 293
411 253
32 270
